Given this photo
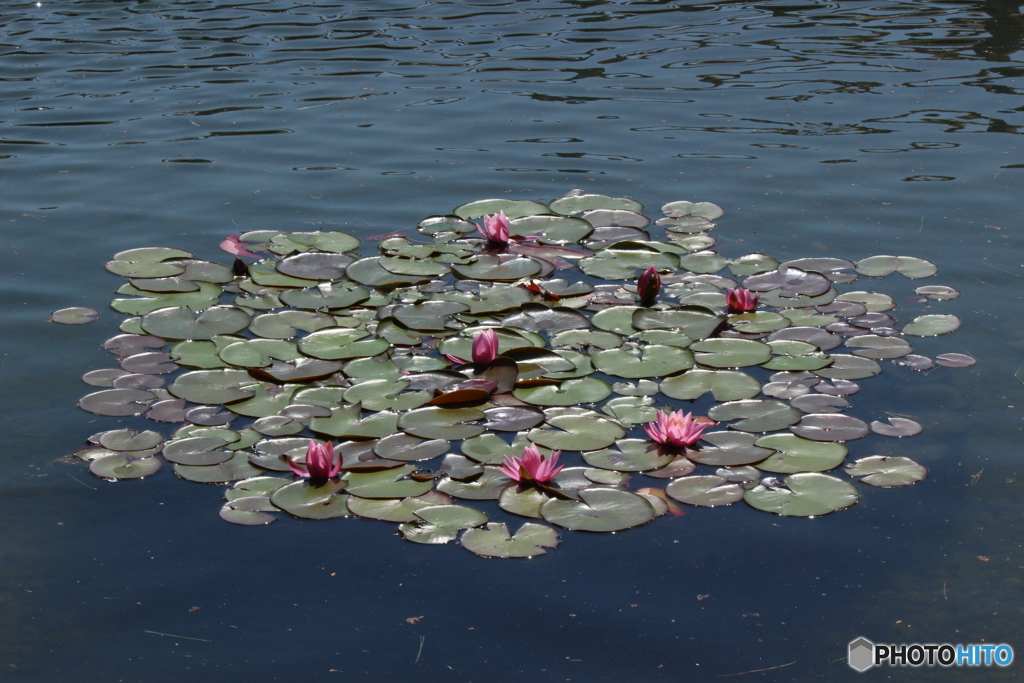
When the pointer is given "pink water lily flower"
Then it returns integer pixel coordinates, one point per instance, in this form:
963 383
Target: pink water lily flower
320 462
677 429
495 228
485 347
532 467
740 300
648 286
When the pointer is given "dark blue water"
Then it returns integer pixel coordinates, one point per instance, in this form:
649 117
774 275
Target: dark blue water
841 129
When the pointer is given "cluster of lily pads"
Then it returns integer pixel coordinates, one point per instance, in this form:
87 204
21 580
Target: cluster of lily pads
405 385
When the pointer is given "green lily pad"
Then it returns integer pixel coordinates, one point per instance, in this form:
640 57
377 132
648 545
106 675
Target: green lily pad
333 296
578 203
696 322
878 347
730 353
910 266
487 486
568 393
498 267
931 325
705 490
766 415
523 500
439 524
599 509
652 361
318 499
383 394
117 402
724 385
442 423
495 541
794 355
513 208
874 302
145 302
148 262
396 510
807 494
255 487
236 468
390 483
728 449
76 315
880 470
124 466
629 455
410 448
588 432
849 367
631 410
346 421
796 454
249 511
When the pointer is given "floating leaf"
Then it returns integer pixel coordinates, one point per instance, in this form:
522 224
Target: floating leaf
897 427
730 353
391 483
117 402
577 433
880 470
705 491
630 455
313 499
728 449
652 361
78 315
236 468
495 541
807 494
724 385
599 509
910 266
756 415
396 510
931 325
124 466
830 427
955 360
796 454
568 393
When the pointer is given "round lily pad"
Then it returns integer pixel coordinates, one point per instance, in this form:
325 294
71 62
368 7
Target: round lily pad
705 490
629 455
880 470
897 427
495 541
728 449
316 499
599 509
124 466
724 385
797 454
78 315
807 494
932 325
830 427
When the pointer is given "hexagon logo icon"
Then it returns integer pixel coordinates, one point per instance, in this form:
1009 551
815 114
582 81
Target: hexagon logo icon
862 654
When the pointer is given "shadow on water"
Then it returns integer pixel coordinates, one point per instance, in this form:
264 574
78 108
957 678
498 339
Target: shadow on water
824 129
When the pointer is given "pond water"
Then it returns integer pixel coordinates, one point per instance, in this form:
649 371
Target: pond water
823 129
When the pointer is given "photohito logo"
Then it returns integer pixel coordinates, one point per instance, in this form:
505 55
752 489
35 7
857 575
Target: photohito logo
863 654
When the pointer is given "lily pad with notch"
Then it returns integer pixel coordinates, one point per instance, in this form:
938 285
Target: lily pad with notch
599 510
705 490
886 471
806 494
